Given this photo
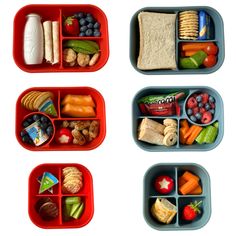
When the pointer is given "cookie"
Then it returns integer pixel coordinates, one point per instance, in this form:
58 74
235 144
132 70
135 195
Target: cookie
72 186
48 211
170 122
67 170
170 139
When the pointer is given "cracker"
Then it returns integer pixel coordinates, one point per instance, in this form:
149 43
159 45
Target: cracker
41 98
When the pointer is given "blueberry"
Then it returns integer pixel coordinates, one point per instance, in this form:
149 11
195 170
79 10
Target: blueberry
89 19
44 119
90 26
36 117
207 106
30 120
193 118
212 111
198 115
82 22
88 14
83 29
25 124
23 133
200 104
30 141
79 15
96 34
89 32
26 138
43 125
211 99
82 34
49 130
189 112
96 25
199 98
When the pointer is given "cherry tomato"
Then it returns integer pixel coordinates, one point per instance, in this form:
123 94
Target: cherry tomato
211 49
210 61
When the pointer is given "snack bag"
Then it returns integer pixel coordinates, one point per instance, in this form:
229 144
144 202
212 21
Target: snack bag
161 105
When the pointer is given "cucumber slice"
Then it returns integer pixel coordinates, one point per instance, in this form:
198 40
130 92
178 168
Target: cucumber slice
78 212
74 208
211 133
72 200
200 138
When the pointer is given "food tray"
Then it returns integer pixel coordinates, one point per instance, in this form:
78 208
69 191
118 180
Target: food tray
59 93
189 91
175 170
217 38
56 13
86 193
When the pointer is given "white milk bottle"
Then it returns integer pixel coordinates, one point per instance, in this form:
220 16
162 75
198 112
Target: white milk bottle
33 40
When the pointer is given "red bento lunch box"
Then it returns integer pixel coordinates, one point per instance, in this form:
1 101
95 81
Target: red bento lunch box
56 12
59 93
85 193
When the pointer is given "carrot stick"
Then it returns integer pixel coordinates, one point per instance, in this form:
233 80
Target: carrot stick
182 132
191 129
194 46
188 175
189 53
181 181
196 191
188 187
196 131
184 124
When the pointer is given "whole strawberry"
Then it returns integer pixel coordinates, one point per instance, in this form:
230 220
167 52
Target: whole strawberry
71 26
191 211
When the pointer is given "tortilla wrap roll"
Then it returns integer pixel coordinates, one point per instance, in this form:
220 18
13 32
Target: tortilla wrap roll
55 39
48 46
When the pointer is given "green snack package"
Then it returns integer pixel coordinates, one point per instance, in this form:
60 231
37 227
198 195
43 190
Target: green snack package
48 108
211 133
194 61
200 138
48 181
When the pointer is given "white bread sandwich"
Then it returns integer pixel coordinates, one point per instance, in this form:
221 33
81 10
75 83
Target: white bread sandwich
157 41
163 210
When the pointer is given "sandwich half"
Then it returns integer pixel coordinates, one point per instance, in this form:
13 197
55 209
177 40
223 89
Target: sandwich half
157 41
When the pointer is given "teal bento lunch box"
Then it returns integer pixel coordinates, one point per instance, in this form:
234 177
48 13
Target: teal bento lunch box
213 24
177 171
194 114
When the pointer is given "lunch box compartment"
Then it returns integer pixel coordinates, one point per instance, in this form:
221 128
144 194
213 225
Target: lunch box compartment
175 170
86 194
138 116
56 12
59 93
217 38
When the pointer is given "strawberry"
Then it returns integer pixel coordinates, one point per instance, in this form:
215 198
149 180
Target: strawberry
191 211
71 26
202 110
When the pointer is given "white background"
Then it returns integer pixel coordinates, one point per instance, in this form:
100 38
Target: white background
118 165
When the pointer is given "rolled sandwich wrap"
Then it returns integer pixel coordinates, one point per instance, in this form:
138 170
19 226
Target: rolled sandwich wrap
48 46
55 39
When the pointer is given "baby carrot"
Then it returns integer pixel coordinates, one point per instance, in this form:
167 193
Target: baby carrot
189 53
184 124
188 175
182 132
188 187
181 181
196 191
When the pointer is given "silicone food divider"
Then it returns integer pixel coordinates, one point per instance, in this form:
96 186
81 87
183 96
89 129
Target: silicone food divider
218 39
218 116
59 93
86 194
56 13
175 170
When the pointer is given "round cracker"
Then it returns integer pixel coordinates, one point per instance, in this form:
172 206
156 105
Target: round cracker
170 122
72 186
69 169
25 97
170 139
41 98
170 129
28 99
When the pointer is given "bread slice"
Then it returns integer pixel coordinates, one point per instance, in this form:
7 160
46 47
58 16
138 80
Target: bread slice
157 41
163 210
